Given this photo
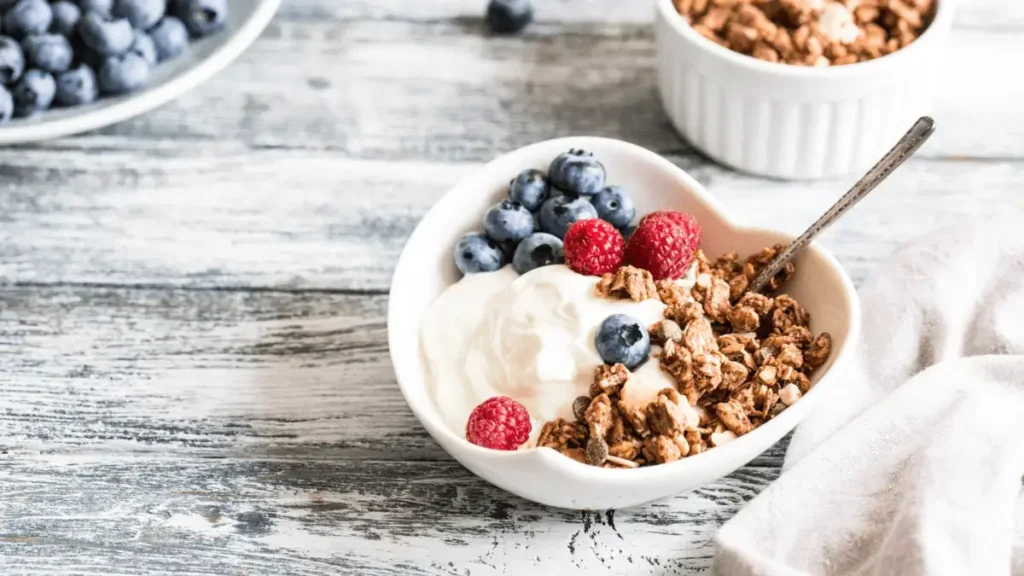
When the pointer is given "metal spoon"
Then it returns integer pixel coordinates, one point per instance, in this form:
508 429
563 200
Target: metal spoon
903 149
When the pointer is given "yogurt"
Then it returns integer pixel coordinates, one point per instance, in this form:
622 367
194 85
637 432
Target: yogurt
528 337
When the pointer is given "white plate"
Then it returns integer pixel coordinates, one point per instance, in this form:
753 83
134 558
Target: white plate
204 58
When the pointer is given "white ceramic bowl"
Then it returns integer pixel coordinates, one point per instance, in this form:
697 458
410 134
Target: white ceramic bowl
425 269
169 80
793 122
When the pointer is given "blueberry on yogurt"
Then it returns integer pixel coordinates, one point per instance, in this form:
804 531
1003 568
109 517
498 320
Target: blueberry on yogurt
539 249
508 16
530 188
476 253
615 206
577 172
508 222
622 339
560 212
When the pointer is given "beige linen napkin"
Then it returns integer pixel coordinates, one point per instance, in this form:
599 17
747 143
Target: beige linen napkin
914 465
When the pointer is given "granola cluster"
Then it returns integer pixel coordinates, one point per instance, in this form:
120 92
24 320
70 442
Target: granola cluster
738 359
810 32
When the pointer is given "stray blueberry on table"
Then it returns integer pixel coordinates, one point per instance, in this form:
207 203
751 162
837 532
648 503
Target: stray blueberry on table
539 249
28 17
123 74
33 93
508 221
106 36
170 37
144 47
577 172
559 212
202 17
508 16
530 188
77 86
65 18
6 105
622 339
50 52
143 14
476 253
12 61
615 206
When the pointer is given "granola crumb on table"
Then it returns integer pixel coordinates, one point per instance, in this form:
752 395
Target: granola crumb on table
738 360
809 32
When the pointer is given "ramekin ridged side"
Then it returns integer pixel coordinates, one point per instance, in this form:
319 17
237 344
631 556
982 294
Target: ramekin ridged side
793 122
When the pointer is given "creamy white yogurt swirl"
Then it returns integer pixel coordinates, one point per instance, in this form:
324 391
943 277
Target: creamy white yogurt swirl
529 337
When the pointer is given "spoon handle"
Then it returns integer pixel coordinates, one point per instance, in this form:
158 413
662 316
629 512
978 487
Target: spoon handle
907 145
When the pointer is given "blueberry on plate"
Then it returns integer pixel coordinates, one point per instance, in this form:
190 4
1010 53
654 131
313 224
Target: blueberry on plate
123 74
508 16
615 206
6 105
622 339
559 212
143 14
539 249
170 37
33 93
202 17
145 47
476 253
77 86
508 221
65 18
12 61
28 17
577 172
105 7
50 52
104 35
530 188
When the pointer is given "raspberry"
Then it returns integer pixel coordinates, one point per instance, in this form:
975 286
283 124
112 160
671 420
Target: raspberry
593 247
499 423
664 244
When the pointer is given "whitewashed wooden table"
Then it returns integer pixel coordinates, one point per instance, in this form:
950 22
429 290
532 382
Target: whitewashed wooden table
194 376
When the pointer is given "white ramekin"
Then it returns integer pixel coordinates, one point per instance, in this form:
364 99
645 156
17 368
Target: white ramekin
425 269
793 122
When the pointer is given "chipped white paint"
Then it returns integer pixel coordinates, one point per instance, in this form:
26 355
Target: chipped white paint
193 367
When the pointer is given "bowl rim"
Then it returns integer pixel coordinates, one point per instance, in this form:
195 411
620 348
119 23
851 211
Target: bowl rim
667 12
721 456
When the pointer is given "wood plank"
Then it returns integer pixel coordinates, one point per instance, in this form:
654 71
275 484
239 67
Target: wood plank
439 91
210 373
187 516
212 215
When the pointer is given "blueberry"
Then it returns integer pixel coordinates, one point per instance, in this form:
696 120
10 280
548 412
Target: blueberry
623 340
627 232
50 52
508 16
28 17
77 86
559 212
104 7
478 253
539 249
145 47
6 105
577 172
143 14
65 18
170 37
12 61
508 221
123 74
530 189
106 36
202 17
33 93
615 206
